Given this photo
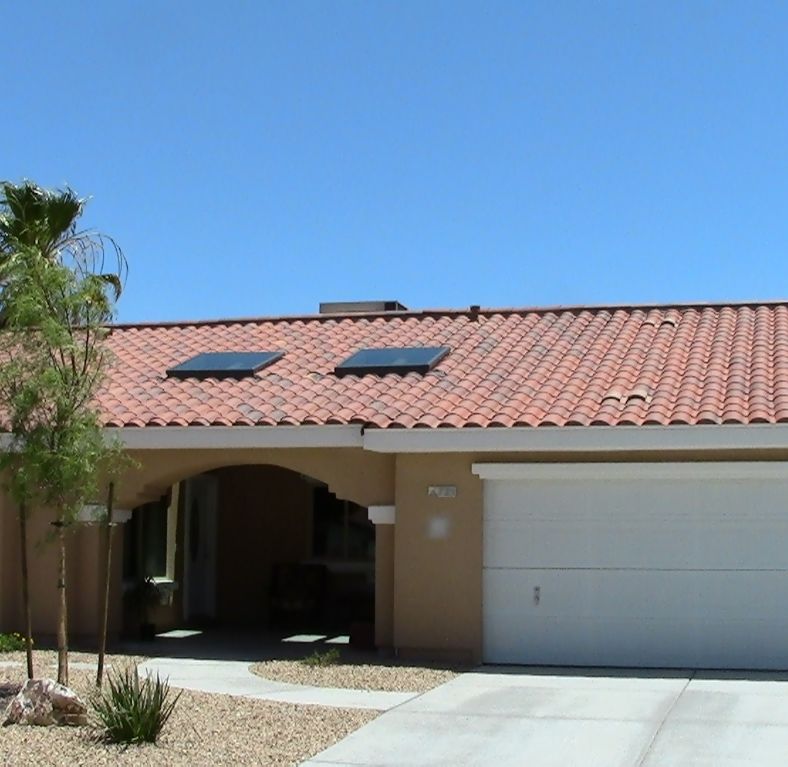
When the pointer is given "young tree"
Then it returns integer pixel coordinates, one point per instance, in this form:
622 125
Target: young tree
109 529
114 462
16 396
56 301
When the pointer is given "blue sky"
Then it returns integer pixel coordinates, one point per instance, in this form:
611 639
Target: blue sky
255 158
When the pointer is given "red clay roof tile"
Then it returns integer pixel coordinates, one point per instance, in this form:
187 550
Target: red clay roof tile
554 367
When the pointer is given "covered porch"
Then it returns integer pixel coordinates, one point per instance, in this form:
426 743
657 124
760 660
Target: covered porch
261 547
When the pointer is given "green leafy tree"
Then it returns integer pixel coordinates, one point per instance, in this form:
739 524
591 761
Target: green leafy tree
57 299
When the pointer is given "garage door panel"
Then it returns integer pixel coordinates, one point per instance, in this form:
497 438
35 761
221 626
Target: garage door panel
540 594
604 644
646 619
637 572
588 525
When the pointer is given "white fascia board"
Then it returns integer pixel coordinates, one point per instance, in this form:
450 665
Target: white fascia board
581 439
567 472
235 437
569 439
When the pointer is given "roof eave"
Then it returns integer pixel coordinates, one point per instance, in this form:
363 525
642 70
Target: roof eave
563 439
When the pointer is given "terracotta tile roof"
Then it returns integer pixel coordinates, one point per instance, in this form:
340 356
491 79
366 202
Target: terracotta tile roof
551 367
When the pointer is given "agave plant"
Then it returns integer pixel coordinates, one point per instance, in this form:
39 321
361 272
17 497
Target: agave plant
131 710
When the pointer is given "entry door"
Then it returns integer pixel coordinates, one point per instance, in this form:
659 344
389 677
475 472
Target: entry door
200 510
680 565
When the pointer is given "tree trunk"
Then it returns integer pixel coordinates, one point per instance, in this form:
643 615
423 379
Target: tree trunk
109 529
26 589
62 623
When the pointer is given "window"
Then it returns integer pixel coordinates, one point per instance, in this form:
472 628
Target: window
154 539
224 364
411 359
341 529
149 539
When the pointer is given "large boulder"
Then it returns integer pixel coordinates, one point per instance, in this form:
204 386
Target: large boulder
45 702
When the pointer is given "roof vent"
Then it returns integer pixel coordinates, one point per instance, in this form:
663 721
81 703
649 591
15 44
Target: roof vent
361 307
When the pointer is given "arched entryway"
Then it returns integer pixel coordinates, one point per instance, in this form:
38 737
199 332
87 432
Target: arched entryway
250 546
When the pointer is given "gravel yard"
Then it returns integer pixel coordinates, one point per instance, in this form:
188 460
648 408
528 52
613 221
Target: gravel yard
390 677
204 730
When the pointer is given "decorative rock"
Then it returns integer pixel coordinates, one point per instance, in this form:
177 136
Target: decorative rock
8 690
45 702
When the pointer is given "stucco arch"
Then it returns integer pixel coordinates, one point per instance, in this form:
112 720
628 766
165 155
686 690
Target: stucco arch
351 473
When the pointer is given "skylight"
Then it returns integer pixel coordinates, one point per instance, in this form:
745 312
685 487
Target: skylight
411 359
223 364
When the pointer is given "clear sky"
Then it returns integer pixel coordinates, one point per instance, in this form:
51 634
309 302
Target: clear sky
255 158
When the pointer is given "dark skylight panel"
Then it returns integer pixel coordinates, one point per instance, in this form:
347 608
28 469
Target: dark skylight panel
411 359
224 364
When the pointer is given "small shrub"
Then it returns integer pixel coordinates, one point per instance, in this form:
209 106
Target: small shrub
11 642
131 710
327 658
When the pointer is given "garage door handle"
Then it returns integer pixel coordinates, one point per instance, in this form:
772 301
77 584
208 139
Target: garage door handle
537 594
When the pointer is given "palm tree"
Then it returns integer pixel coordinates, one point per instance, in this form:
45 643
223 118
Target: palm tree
38 218
45 221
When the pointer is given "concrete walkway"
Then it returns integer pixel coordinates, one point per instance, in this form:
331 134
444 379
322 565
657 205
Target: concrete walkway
593 719
234 678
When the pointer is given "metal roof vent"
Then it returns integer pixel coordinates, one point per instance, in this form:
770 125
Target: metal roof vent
361 307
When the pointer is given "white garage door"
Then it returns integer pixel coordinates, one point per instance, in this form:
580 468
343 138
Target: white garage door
672 565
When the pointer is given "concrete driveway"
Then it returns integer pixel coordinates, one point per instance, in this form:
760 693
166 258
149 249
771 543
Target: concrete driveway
542 718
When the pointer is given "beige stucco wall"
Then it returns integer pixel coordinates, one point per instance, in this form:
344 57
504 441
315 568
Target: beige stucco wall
85 573
437 559
351 473
430 563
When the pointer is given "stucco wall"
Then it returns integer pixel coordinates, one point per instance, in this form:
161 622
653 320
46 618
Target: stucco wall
437 559
351 473
84 572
